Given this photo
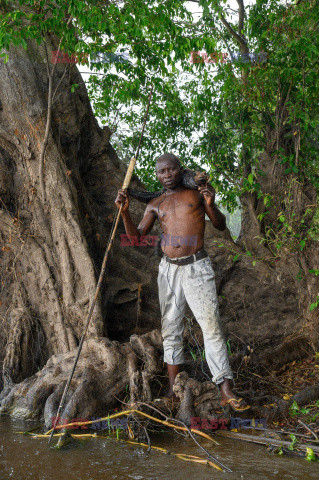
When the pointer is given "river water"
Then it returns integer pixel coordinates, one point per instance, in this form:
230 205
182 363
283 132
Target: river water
24 458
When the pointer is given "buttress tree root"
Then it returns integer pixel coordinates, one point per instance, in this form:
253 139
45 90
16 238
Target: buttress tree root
104 372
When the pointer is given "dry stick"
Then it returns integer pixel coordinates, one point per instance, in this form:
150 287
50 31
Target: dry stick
127 412
179 421
163 422
190 430
264 440
182 456
268 381
309 429
173 419
145 430
126 183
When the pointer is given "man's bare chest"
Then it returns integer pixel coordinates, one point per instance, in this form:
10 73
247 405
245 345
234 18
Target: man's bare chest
180 206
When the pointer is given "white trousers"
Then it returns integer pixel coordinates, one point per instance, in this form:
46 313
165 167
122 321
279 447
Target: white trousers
193 284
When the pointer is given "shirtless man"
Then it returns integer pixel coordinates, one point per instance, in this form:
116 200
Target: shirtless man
185 271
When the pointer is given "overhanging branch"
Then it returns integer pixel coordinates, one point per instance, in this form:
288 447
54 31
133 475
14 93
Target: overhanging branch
242 42
241 13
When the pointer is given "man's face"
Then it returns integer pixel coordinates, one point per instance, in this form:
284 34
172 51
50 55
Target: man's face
169 173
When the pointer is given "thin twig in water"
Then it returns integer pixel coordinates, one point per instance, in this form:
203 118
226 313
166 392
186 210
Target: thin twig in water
189 431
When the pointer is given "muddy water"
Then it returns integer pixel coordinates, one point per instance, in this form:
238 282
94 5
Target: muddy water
23 458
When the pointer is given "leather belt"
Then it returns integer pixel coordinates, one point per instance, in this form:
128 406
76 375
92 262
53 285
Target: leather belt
191 259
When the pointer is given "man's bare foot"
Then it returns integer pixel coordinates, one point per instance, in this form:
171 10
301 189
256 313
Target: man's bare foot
172 370
229 398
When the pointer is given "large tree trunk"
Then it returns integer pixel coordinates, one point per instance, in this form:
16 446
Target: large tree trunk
51 250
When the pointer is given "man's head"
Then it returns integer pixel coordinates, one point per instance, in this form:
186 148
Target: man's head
169 170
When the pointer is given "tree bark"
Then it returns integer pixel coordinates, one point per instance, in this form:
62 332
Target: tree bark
51 250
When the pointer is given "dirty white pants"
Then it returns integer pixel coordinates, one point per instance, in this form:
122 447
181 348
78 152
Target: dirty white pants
192 284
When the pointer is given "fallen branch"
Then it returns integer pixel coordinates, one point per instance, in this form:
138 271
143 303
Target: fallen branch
309 429
264 440
163 422
127 412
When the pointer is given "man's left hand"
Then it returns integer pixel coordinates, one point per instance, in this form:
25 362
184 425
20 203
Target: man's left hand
208 193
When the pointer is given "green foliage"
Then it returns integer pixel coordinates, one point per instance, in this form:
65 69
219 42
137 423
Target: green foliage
201 353
279 451
313 231
311 457
293 442
74 86
213 115
294 409
314 304
193 354
309 412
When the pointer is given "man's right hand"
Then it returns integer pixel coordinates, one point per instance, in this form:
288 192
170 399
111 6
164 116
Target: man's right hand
122 199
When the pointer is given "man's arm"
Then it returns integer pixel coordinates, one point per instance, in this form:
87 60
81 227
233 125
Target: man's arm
217 218
145 225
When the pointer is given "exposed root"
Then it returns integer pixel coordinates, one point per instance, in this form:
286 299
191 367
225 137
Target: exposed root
104 370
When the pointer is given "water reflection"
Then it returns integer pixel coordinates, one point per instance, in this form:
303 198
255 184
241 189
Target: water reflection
23 458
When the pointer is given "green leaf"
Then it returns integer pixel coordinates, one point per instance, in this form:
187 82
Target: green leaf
311 457
251 178
294 407
313 306
74 86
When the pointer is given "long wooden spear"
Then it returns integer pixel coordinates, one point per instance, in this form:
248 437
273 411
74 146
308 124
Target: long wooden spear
126 183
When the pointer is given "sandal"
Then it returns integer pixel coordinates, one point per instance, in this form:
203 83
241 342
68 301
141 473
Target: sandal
231 402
